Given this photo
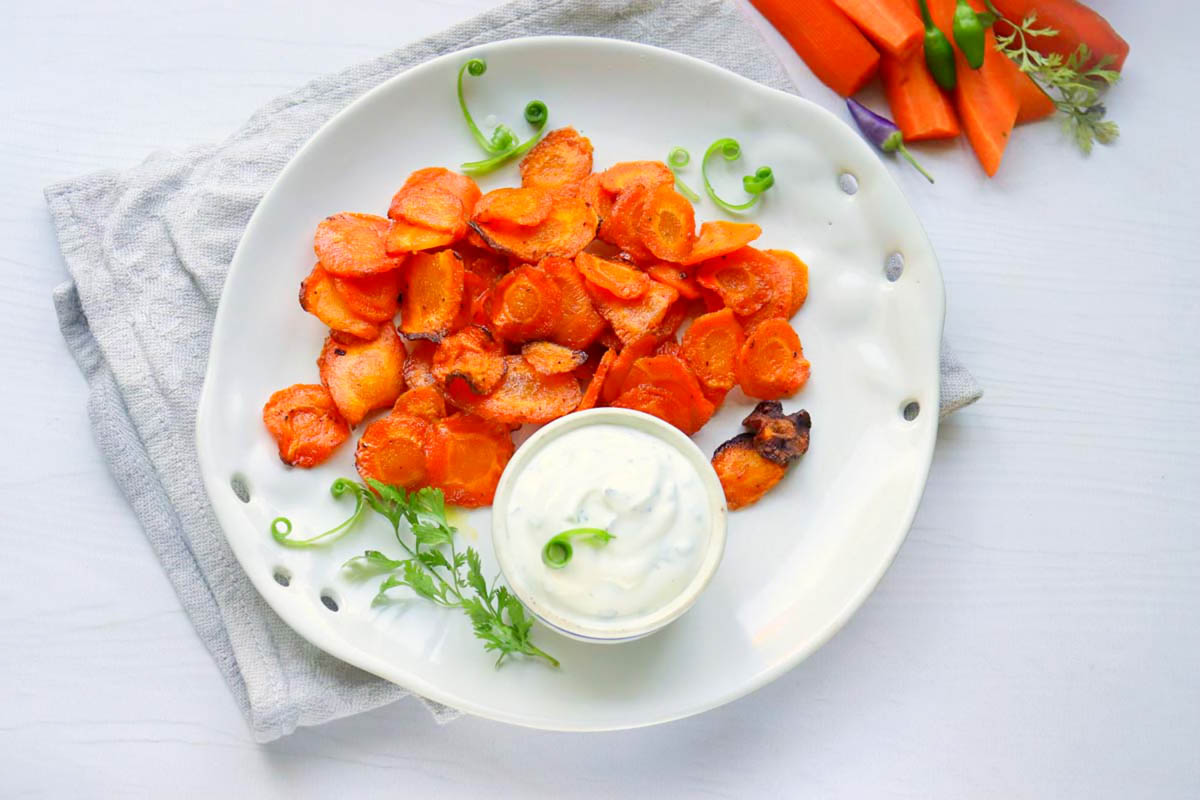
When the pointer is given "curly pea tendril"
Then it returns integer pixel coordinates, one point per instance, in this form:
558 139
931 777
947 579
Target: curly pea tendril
503 144
558 550
677 159
762 179
281 527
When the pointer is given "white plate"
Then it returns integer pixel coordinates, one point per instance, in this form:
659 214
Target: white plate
797 564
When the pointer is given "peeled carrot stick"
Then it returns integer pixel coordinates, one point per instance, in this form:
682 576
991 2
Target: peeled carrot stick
985 99
918 104
826 39
1076 24
1032 103
890 24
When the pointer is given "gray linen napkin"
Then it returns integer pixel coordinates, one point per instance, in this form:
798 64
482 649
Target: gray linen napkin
148 249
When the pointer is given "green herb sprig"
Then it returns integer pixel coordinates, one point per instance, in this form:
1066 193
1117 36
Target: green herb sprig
503 145
1074 88
434 568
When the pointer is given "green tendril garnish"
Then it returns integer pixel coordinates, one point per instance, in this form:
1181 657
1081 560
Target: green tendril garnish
281 527
762 179
558 550
677 159
503 144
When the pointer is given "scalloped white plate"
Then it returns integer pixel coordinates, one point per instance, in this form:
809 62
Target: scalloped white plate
797 564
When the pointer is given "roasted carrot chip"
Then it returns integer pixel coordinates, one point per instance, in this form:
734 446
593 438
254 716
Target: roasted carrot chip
620 279
425 402
305 423
528 205
738 279
771 363
711 347
620 177
319 297
393 450
526 304
579 324
668 224
632 319
404 237
549 358
779 437
776 275
596 196
434 297
677 278
375 297
472 355
665 331
591 395
799 272
720 237
622 226
744 473
568 228
672 375
461 187
353 245
625 360
363 376
418 366
658 402
562 159
430 206
466 457
523 397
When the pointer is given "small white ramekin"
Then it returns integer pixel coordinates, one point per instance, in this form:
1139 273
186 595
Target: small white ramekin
642 625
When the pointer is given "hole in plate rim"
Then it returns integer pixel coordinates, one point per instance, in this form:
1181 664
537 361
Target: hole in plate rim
893 267
910 410
330 600
240 486
848 182
282 576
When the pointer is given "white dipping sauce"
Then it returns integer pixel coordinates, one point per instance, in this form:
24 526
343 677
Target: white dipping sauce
628 482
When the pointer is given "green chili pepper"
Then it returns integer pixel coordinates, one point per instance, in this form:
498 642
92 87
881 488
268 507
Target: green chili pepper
969 33
939 53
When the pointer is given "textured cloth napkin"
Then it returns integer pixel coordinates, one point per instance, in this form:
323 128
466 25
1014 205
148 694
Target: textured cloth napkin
148 249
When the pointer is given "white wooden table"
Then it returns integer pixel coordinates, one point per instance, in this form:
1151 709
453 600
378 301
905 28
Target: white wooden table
1039 635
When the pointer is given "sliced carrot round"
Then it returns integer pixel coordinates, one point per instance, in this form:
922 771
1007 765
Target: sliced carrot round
460 186
425 402
737 278
711 347
363 376
668 224
434 297
568 228
669 347
621 176
527 205
404 238
771 363
799 273
744 474
596 196
393 450
776 275
624 361
375 297
549 358
563 158
657 402
622 226
472 355
305 423
431 206
591 395
418 365
353 245
319 297
579 324
466 458
526 304
677 278
666 330
632 319
622 280
720 237
523 397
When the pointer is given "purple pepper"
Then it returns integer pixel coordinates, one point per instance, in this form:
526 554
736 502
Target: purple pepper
882 133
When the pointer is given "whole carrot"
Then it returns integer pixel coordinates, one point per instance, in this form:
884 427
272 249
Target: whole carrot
1076 24
826 39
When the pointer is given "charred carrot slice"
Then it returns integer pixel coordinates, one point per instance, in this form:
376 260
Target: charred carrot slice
668 225
737 279
549 358
524 396
375 297
632 319
562 159
771 363
591 395
528 205
461 187
620 279
305 423
466 458
776 275
434 297
319 297
568 228
711 347
353 245
425 402
620 177
392 450
720 238
580 324
622 226
472 355
671 374
526 304
657 402
418 365
624 361
744 474
363 376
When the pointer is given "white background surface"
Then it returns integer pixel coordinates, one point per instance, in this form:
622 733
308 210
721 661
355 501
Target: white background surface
1038 636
